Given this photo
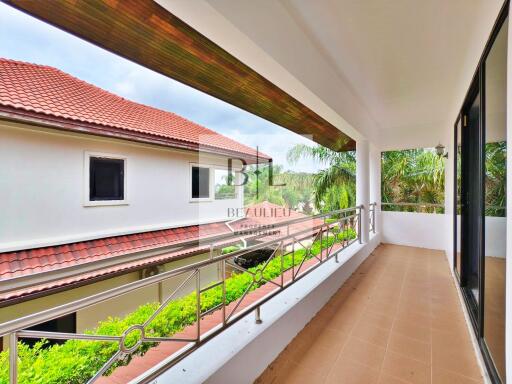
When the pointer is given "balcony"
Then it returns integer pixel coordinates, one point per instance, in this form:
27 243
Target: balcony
353 296
397 319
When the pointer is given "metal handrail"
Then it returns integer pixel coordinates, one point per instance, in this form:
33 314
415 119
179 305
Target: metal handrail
343 221
415 204
44 277
434 208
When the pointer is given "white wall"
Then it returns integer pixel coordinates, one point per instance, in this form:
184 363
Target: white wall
42 189
423 230
495 235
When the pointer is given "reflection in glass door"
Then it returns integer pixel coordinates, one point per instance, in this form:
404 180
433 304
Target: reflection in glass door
495 155
480 200
471 224
458 198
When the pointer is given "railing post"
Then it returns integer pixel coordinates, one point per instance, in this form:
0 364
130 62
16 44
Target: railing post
13 358
359 216
257 313
373 218
198 303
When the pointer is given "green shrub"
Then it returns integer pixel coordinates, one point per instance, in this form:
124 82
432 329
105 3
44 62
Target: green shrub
75 361
231 248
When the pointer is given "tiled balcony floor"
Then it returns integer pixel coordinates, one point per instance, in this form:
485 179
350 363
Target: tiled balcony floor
398 319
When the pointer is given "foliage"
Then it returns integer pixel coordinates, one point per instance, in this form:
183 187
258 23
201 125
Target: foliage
230 249
412 176
75 361
495 178
334 186
291 189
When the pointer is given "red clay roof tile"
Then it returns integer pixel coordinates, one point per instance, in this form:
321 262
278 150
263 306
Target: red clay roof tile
48 91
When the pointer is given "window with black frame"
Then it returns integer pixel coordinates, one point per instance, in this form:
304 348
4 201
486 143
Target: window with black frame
200 182
106 179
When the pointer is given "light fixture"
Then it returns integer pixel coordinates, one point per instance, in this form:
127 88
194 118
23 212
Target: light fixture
440 151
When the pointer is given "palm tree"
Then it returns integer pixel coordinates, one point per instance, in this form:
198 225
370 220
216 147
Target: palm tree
334 186
412 176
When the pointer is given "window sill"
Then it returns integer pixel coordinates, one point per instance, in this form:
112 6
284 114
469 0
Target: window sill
105 203
203 200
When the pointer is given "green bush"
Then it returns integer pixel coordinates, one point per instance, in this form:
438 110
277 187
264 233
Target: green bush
231 248
75 361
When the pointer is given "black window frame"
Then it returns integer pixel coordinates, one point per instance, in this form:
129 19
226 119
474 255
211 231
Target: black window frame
94 162
195 191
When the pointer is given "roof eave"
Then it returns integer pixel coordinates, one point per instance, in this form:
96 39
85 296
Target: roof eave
63 124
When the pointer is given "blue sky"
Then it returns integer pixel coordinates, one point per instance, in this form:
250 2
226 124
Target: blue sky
25 38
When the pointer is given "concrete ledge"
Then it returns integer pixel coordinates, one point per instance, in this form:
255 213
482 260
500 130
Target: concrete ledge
242 352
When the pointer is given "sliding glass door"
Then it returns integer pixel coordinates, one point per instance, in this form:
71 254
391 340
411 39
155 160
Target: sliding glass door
480 200
471 212
495 170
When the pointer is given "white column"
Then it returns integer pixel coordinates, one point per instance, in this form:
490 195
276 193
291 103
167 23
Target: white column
375 183
363 184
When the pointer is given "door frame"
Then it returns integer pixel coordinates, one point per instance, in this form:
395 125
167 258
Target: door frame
475 309
478 81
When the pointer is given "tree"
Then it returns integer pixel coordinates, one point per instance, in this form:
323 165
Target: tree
334 187
412 176
495 178
291 189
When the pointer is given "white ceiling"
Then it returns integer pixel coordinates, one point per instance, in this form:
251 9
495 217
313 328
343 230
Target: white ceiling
395 70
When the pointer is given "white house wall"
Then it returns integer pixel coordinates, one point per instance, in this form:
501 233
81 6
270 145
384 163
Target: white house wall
42 189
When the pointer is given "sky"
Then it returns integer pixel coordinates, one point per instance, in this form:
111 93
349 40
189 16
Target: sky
25 38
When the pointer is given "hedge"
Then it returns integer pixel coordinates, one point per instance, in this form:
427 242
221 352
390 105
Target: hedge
76 361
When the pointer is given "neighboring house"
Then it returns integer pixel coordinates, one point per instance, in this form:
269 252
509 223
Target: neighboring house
87 175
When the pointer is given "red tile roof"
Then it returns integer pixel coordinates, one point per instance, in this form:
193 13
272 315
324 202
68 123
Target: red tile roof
30 261
56 97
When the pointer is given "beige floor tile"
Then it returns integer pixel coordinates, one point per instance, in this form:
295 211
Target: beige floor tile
442 376
315 359
350 372
412 348
387 379
397 320
376 319
371 334
412 330
456 358
362 352
298 374
406 369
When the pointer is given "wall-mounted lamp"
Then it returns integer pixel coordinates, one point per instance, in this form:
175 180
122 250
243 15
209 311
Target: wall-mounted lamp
440 151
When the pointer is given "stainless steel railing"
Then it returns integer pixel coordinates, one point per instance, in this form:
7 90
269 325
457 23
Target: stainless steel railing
371 212
413 207
323 227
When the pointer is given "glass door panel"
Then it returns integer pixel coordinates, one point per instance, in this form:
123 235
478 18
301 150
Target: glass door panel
458 197
495 155
471 217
